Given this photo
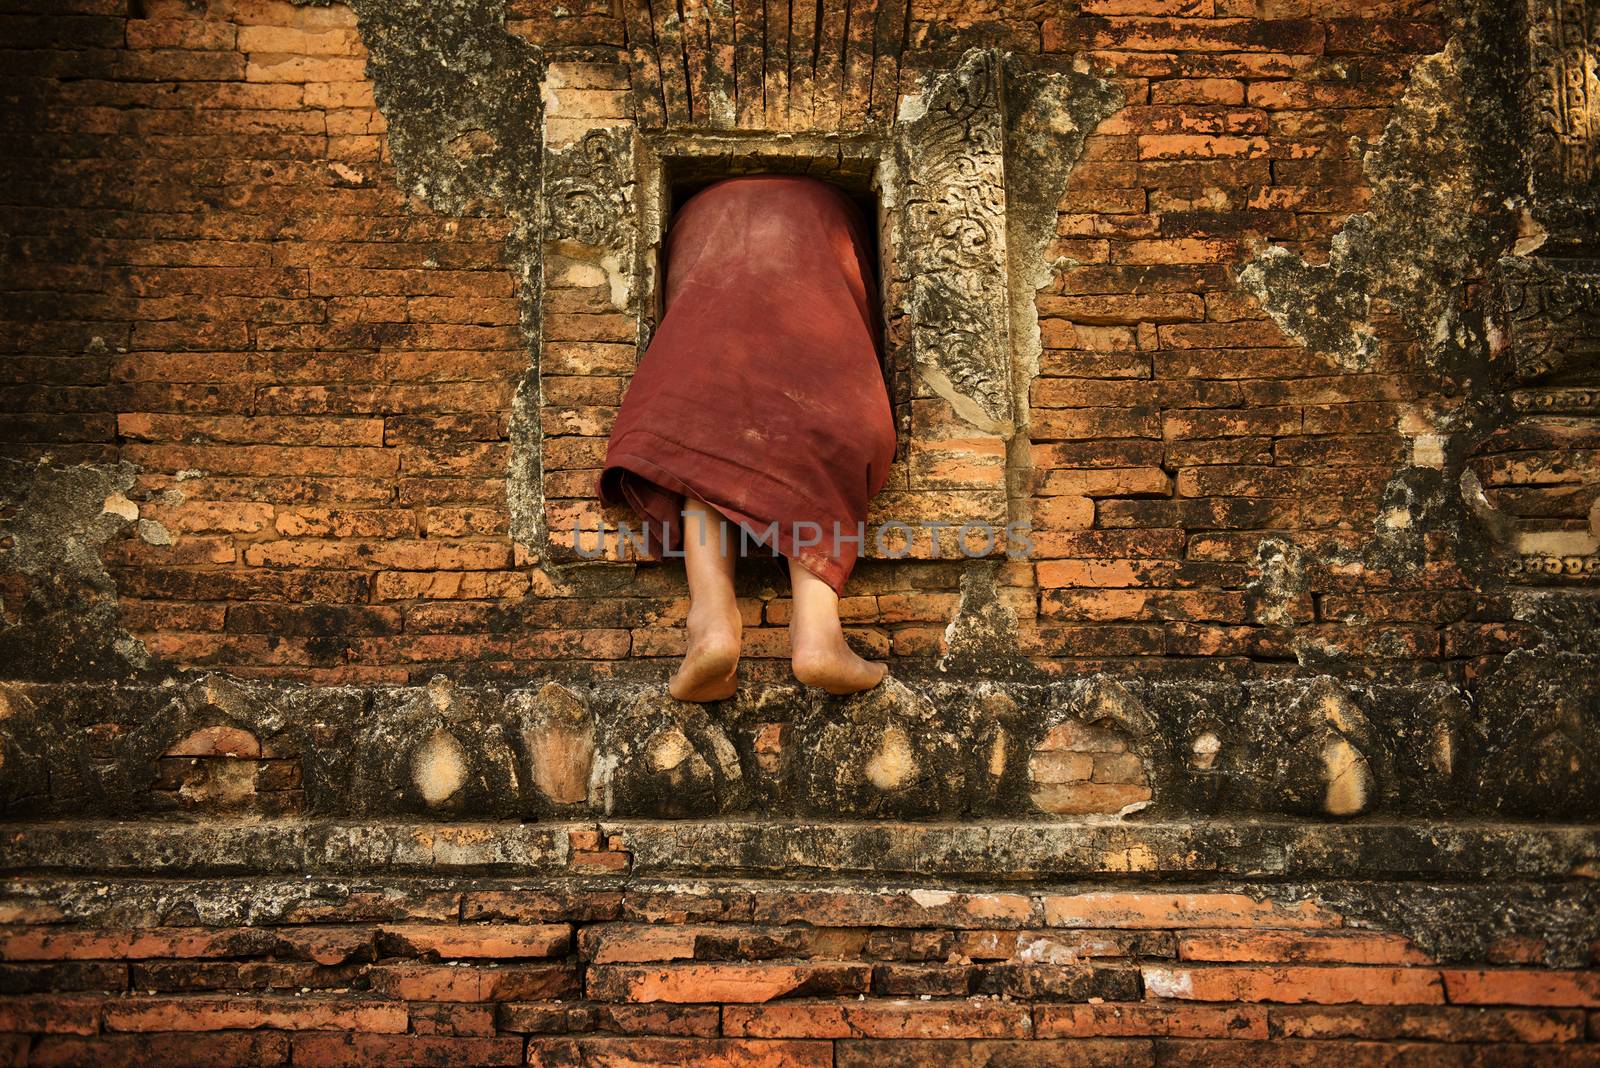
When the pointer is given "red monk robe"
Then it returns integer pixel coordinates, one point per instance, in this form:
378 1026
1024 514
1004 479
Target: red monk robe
762 392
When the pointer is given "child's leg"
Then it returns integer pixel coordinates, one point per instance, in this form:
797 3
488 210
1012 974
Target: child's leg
816 640
710 664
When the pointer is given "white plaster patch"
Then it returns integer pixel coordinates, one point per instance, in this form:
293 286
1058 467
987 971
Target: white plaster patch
1347 776
118 505
1427 450
997 752
1163 983
583 276
668 749
912 107
554 79
1557 543
966 408
1442 328
1337 711
1396 519
617 277
601 781
1444 748
722 108
894 764
1044 951
132 650
439 767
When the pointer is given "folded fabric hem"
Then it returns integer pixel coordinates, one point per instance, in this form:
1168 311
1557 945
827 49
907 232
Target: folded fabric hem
614 489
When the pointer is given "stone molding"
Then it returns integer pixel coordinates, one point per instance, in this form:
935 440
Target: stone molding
911 749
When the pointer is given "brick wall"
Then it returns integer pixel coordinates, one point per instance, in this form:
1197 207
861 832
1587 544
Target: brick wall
215 277
601 970
288 375
311 373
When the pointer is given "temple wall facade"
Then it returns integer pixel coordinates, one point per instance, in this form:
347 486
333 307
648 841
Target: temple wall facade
1237 571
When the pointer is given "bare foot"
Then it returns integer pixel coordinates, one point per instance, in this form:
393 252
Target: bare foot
828 663
710 668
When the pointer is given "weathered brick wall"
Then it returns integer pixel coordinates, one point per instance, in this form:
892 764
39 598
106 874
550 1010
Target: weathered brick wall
217 280
1280 338
310 372
594 965
755 975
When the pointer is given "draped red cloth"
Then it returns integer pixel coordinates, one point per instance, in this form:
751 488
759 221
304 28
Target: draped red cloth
762 392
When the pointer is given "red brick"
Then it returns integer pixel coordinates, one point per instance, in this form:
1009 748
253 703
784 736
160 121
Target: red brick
1328 985
1173 1021
905 908
444 982
1057 946
637 943
1198 90
879 1019
1104 604
1523 987
56 1013
402 1051
1089 424
543 1017
1181 910
161 1051
398 554
1115 309
1012 1053
702 1021
451 1018
598 861
1339 947
1204 1053
678 1053
923 980
243 1013
729 983
471 941
1429 1024
90 943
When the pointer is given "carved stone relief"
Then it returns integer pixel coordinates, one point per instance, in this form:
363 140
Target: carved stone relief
1564 46
1548 323
1552 324
588 192
951 164
1545 321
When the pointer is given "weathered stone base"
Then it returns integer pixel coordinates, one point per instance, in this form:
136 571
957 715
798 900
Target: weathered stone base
1512 743
750 944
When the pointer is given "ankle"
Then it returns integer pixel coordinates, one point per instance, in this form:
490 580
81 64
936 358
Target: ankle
815 637
713 621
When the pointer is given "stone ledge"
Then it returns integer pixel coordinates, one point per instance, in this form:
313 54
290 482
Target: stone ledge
1462 917
955 747
1010 852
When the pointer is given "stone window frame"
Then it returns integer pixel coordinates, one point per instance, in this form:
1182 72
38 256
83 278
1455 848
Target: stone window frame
960 254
